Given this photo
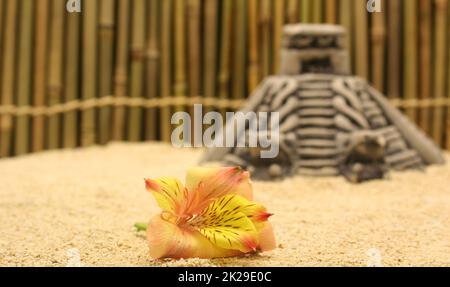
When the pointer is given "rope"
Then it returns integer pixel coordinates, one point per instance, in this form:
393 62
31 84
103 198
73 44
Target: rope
421 103
117 102
174 101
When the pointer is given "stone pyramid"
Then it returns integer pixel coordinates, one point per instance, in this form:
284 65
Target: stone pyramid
331 123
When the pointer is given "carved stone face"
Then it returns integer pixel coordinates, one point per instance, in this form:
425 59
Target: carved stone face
314 49
302 42
317 65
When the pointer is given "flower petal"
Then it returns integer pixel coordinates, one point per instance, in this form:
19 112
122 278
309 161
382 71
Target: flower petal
207 184
226 223
168 192
256 212
235 231
167 240
266 237
221 180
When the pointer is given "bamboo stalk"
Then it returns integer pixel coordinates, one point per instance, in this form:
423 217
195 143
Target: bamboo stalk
394 46
40 71
194 47
378 37
225 50
317 11
361 39
292 11
121 68
265 24
239 57
152 67
106 41
210 30
54 92
346 20
306 11
448 81
8 75
180 86
2 4
278 22
425 61
89 77
166 71
72 86
440 30
330 11
137 68
410 80
253 61
210 39
194 51
24 74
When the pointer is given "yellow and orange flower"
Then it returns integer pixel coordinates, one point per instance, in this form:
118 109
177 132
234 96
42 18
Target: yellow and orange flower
212 216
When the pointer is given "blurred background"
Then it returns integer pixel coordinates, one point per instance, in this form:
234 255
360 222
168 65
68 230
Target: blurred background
119 69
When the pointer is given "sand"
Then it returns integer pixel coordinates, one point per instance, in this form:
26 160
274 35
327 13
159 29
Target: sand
60 205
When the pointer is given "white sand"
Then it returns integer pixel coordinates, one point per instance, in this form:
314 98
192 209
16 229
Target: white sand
57 203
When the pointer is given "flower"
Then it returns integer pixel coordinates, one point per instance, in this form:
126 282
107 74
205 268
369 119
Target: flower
212 216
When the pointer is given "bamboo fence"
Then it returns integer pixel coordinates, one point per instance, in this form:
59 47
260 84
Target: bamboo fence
118 70
55 61
425 60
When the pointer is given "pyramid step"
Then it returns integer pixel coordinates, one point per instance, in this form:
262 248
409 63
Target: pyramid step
320 85
317 152
317 103
378 121
409 163
315 94
373 113
397 145
369 105
399 157
317 143
314 112
319 122
326 171
318 163
316 133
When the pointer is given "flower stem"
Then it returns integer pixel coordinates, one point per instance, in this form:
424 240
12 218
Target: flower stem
141 226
